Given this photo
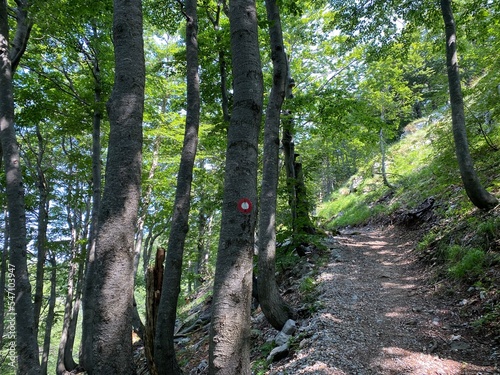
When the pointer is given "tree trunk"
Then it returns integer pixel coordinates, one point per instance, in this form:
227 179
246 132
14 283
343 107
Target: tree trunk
68 350
154 283
67 353
88 286
288 161
230 328
475 191
62 361
148 247
383 166
50 315
297 195
3 272
26 340
274 307
79 228
114 253
164 351
203 247
137 324
221 61
303 224
43 218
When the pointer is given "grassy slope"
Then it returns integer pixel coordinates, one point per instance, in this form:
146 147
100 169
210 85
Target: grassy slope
461 240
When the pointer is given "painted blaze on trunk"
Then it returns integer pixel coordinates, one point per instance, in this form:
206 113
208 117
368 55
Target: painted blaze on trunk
230 329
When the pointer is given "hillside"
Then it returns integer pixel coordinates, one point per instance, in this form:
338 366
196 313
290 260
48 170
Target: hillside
426 195
406 281
459 243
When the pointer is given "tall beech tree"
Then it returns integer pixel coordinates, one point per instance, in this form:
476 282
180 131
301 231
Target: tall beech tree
274 307
473 187
164 350
88 289
230 328
114 254
10 56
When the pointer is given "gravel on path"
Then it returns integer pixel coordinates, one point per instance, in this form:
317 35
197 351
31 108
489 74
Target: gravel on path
380 315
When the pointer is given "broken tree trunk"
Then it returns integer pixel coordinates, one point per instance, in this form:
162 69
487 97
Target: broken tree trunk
154 281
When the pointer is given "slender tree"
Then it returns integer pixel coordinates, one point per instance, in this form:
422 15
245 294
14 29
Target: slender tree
10 55
164 352
215 21
475 191
49 322
274 307
3 274
88 285
43 218
230 328
114 254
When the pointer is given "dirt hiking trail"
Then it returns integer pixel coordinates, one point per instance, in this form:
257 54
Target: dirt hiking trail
380 314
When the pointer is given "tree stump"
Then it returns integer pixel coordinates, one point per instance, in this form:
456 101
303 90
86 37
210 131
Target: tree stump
154 280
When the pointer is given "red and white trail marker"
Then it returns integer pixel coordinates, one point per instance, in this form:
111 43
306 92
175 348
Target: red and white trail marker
245 205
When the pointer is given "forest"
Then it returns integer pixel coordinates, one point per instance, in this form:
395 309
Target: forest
153 149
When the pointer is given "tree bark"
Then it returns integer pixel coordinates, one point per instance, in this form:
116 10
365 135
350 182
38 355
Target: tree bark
3 272
164 351
68 359
88 286
303 224
475 191
383 166
297 194
64 364
273 306
114 253
221 61
288 162
26 340
137 325
230 328
49 322
68 350
43 219
154 283
203 247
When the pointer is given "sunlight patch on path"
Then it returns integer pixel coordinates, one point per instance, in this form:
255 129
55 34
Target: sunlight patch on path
394 360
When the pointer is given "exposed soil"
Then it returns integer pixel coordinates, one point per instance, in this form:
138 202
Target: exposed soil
381 314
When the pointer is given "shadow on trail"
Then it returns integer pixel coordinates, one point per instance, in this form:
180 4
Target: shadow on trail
380 316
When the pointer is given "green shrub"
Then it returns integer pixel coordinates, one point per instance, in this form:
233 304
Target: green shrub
307 285
489 228
465 262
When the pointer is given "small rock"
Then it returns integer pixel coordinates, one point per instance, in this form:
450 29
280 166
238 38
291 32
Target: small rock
278 353
181 340
282 338
201 369
290 327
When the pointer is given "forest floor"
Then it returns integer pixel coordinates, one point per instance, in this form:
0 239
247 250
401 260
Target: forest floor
383 312
373 308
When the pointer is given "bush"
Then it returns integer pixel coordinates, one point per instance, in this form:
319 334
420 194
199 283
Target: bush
466 262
